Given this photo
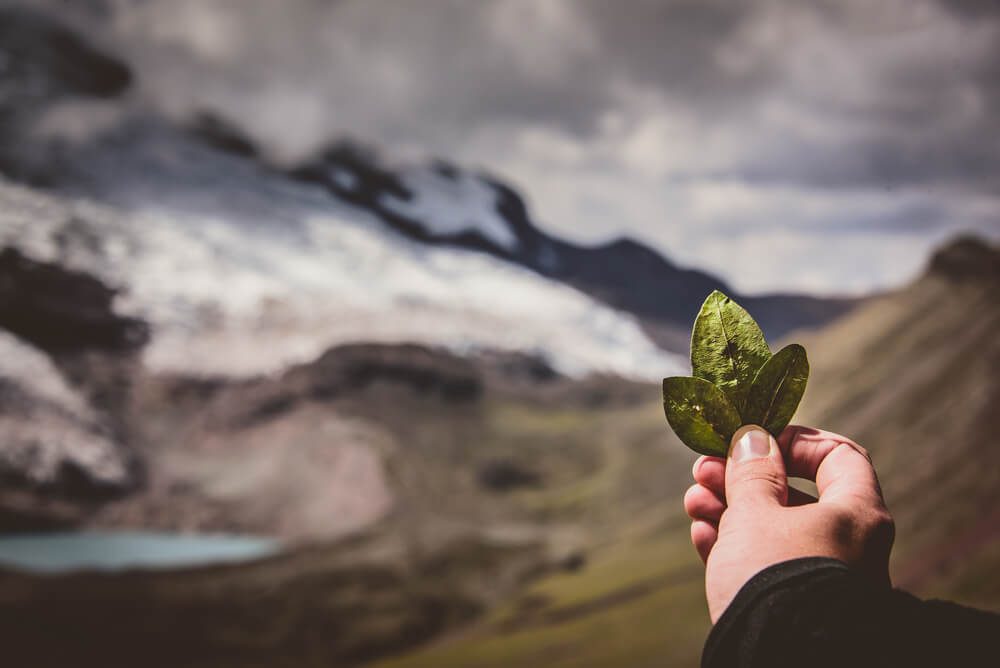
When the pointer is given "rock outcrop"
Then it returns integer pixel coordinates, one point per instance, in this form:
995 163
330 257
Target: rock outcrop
58 456
62 312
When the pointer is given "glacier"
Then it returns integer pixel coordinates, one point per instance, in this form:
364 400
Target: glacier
252 273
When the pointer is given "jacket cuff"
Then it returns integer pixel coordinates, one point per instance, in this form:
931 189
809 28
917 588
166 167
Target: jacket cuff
759 586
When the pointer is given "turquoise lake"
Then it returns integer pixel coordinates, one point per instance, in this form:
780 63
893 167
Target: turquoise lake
119 550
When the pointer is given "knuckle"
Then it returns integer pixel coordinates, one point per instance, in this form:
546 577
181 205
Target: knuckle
774 481
846 442
880 526
697 465
691 504
870 527
844 524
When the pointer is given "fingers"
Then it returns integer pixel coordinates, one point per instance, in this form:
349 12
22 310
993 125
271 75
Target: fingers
710 472
805 448
755 470
701 503
703 537
841 468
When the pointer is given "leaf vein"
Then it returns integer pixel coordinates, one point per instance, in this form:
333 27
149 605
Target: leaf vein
729 344
774 395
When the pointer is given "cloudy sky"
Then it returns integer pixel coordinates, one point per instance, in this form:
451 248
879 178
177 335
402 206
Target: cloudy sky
823 146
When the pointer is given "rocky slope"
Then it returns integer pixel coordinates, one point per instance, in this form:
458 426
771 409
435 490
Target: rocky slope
913 377
59 456
315 451
65 357
449 482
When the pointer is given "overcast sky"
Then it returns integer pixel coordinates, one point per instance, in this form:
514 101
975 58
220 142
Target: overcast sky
822 146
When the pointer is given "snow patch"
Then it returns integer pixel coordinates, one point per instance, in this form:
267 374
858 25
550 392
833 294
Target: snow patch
46 425
447 204
35 374
344 178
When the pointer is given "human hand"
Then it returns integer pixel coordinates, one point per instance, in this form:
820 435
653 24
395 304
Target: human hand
745 517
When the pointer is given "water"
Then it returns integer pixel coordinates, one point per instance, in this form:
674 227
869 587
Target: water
111 551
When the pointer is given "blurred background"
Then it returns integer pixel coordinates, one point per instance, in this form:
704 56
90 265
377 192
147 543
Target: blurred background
331 331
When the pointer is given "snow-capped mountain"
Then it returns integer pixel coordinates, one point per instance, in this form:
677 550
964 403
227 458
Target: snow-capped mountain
266 277
242 266
443 204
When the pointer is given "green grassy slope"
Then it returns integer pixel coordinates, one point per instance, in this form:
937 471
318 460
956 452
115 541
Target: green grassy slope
637 603
614 479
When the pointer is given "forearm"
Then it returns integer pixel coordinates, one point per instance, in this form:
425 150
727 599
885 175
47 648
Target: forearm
817 612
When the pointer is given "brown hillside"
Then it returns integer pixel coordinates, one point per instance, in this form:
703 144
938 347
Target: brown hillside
913 376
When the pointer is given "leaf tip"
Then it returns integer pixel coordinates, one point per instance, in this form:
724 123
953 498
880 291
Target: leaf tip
717 295
796 350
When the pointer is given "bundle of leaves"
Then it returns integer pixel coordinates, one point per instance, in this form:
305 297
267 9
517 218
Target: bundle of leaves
736 380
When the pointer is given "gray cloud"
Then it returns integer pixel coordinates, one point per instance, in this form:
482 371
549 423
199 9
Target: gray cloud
881 94
674 120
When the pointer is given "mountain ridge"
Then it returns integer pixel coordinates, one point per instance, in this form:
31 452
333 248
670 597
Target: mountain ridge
435 202
609 271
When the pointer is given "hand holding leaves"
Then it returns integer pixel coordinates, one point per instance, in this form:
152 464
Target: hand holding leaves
736 380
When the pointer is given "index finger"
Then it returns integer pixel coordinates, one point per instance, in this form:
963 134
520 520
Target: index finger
841 468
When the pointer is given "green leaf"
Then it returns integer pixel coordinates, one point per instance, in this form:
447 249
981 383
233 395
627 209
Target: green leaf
777 389
727 348
700 414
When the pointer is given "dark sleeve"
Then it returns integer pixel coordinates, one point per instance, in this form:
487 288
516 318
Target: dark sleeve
816 612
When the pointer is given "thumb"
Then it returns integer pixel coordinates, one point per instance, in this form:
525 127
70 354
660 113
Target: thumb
755 470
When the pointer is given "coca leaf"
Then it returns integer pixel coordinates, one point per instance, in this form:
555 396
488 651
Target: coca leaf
700 414
777 389
727 348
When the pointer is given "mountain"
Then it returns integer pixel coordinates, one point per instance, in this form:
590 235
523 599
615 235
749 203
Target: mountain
166 216
173 307
912 376
209 173
437 204
98 435
255 275
441 203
